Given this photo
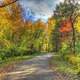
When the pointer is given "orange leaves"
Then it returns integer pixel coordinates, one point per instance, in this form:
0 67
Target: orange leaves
40 25
28 25
65 26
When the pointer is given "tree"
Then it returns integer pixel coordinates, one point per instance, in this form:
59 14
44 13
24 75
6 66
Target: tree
7 2
77 24
68 10
11 28
55 38
16 21
42 29
51 24
65 26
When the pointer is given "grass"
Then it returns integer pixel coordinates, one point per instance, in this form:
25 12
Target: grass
64 66
13 60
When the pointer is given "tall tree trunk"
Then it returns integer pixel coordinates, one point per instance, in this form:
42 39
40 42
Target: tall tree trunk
73 37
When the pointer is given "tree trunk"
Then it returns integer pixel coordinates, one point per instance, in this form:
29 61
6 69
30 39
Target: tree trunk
74 40
73 37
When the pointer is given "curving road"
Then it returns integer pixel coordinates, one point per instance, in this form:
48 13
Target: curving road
34 69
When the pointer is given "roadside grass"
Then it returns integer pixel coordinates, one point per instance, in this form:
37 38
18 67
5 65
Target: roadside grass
64 66
8 65
13 60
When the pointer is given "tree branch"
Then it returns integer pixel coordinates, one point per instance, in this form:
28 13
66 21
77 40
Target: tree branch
6 4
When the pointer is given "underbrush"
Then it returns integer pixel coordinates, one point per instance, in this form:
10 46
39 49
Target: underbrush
7 60
15 52
69 63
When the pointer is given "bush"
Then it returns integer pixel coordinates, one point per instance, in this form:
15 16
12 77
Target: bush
74 60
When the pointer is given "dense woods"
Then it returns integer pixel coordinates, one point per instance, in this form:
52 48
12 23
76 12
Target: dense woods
60 34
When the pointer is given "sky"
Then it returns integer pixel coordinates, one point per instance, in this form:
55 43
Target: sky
42 9
39 9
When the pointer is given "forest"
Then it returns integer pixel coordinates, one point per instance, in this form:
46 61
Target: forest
60 34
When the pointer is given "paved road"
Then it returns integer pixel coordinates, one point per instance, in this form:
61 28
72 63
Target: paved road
34 69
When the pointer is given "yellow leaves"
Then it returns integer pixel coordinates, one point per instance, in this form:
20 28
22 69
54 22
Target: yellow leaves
4 21
5 27
4 12
7 43
4 43
77 24
6 1
1 34
51 24
75 60
64 46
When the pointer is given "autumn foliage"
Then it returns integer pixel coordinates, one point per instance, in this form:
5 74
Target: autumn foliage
21 37
65 26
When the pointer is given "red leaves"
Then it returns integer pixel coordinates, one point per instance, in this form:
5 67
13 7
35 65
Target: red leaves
65 26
